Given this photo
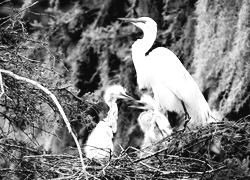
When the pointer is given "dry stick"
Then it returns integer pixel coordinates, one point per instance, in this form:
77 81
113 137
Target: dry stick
58 106
4 2
18 147
1 85
171 156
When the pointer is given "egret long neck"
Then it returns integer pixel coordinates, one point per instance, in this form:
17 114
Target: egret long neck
141 46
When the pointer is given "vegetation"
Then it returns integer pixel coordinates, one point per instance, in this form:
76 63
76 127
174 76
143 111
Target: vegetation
75 50
221 52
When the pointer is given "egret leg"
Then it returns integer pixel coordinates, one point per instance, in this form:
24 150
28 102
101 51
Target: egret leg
159 129
187 117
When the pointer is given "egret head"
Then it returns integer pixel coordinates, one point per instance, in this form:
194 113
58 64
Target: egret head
144 23
147 102
115 92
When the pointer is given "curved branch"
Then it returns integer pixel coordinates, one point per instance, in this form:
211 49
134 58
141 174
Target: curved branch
53 97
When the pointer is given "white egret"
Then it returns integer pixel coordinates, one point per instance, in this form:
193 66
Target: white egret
99 144
173 87
153 116
153 123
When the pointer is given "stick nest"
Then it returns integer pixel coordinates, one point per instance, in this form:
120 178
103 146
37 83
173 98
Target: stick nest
186 156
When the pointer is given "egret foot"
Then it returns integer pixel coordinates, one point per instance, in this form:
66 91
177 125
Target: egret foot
187 117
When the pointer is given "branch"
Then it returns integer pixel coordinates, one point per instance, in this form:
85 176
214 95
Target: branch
1 85
57 104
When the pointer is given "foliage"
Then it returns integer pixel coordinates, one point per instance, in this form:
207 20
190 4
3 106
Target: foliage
221 55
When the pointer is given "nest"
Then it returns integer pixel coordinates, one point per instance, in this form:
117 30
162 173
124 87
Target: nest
187 156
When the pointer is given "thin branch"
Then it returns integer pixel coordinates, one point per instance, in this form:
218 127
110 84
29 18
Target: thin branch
59 156
1 85
190 173
58 106
4 2
12 146
171 156
27 58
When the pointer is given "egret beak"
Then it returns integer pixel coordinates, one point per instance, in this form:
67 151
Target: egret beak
132 20
125 96
140 105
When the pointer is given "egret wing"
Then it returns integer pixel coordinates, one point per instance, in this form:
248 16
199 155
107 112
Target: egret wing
166 67
168 76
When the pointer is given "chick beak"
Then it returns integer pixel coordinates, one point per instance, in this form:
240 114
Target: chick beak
139 105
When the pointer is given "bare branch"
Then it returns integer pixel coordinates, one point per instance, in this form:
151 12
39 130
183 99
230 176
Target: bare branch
1 85
58 106
27 58
4 2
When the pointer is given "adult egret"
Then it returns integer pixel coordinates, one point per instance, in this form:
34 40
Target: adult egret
173 87
153 123
99 144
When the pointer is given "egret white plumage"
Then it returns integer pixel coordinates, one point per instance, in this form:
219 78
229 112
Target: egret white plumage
173 87
153 117
111 94
153 123
99 144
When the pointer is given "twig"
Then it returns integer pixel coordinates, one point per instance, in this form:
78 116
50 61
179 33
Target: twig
28 58
242 118
150 167
15 170
18 147
60 156
171 156
58 106
198 173
1 85
4 2
149 156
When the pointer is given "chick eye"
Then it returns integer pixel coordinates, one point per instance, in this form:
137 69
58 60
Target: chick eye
144 90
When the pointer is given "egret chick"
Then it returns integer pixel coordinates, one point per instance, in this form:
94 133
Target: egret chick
111 94
99 144
153 123
173 87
